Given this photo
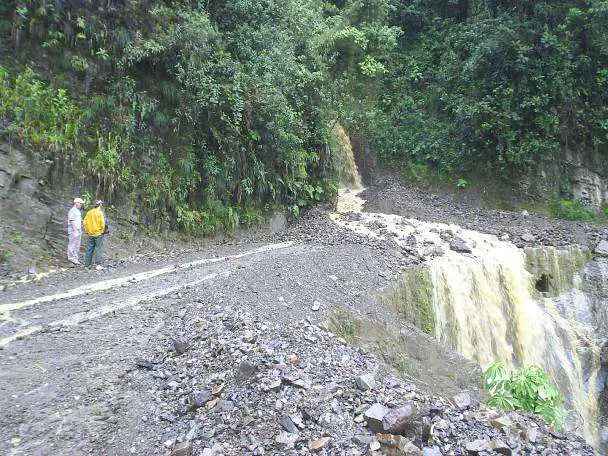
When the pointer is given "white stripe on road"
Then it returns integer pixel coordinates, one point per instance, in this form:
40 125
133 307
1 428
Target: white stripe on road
79 317
5 309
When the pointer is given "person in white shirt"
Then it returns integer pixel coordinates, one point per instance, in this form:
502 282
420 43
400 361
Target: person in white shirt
75 231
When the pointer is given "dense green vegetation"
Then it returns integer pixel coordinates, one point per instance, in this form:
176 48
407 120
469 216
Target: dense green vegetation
200 113
496 85
571 210
206 114
529 389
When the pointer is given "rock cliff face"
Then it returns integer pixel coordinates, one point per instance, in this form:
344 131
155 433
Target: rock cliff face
28 225
582 176
589 178
35 197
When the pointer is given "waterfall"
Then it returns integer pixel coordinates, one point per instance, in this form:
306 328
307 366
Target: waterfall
350 176
487 309
540 306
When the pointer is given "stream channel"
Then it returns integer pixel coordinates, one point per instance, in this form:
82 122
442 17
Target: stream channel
492 301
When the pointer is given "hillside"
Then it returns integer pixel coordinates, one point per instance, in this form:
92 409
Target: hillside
206 116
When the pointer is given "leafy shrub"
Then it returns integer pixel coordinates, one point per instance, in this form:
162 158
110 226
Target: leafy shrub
38 114
343 323
419 173
571 210
529 389
482 87
462 183
5 255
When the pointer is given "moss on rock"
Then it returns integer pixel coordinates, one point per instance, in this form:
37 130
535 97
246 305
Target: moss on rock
412 297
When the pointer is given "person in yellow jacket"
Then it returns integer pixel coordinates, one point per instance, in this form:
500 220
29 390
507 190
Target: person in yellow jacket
95 226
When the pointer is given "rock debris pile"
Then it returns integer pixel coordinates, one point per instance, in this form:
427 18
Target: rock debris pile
230 384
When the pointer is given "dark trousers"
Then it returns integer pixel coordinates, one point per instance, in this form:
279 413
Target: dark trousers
95 245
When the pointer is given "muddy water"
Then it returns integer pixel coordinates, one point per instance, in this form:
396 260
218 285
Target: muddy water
488 304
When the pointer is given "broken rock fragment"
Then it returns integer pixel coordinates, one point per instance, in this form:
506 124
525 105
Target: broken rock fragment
374 416
401 420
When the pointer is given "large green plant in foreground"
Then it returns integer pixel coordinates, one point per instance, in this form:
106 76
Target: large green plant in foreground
529 389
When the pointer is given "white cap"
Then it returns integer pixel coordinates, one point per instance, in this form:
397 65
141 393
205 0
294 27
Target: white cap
78 200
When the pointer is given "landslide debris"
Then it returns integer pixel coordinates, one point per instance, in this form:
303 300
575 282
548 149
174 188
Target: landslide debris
244 386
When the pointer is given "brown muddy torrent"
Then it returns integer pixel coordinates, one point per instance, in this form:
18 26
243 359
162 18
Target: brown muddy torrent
489 301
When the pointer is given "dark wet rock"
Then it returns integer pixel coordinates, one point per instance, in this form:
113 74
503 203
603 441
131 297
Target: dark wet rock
374 416
459 245
144 363
179 345
245 371
401 420
199 398
288 424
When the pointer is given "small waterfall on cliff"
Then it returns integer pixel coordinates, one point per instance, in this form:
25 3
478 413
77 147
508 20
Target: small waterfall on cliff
500 303
487 309
350 176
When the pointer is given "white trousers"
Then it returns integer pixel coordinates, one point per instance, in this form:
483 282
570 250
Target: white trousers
74 246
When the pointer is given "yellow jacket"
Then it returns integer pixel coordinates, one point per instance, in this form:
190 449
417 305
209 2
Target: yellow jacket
94 222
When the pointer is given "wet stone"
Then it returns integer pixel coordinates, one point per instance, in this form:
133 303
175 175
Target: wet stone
288 424
180 346
182 449
365 382
245 371
144 363
374 416
199 398
459 245
400 420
